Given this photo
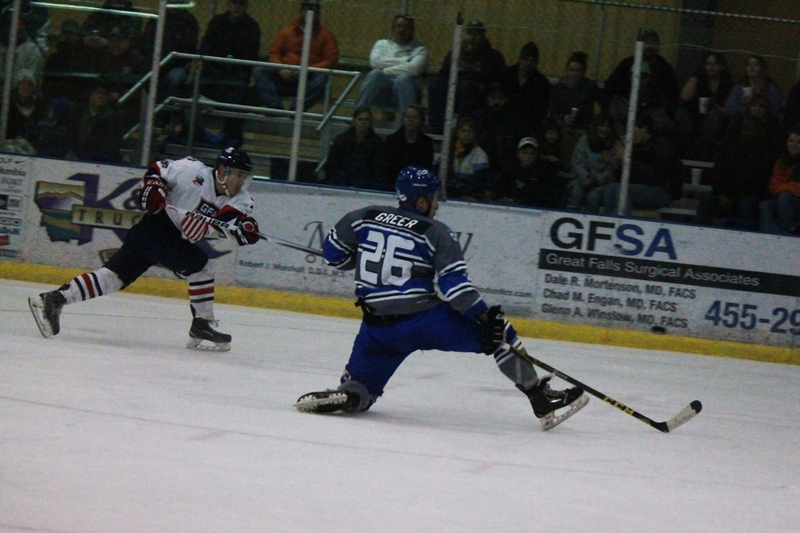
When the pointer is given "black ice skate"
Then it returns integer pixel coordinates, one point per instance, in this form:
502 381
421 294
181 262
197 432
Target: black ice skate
46 309
326 401
546 401
202 330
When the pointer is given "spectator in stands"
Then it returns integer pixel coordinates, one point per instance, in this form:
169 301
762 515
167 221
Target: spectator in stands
596 162
573 98
121 62
761 109
701 115
552 147
791 114
740 176
398 64
498 128
273 84
122 66
658 94
781 214
527 181
529 90
469 165
98 25
235 35
64 65
755 81
479 65
36 19
26 107
409 146
27 54
654 168
98 132
55 133
181 32
356 156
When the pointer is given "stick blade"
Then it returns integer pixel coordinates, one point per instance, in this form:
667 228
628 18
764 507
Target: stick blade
688 412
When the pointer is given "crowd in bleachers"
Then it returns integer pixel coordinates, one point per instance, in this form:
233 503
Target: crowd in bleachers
518 138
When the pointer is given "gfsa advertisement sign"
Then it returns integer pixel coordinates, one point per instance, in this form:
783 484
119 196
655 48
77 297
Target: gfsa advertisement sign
682 279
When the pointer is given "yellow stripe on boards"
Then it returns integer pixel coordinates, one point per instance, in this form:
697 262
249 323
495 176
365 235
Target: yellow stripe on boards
341 307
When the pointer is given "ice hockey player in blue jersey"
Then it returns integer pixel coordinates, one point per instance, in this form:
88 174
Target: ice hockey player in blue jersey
171 192
398 253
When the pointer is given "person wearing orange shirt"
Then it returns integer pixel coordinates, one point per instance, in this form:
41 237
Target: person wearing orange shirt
274 83
781 215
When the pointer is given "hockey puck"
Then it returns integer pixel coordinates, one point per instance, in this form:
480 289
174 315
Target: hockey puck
658 329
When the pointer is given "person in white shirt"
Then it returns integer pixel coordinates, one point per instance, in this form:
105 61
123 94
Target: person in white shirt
398 64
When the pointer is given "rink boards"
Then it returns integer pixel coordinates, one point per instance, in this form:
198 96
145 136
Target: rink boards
561 267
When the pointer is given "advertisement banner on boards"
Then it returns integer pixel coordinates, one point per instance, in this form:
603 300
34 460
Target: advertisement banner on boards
78 214
14 172
495 241
555 266
672 278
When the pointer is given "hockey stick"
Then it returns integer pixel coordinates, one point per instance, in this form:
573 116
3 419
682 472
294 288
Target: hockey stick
688 412
227 227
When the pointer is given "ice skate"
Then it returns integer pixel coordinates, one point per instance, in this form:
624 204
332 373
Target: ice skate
203 336
326 401
546 401
46 309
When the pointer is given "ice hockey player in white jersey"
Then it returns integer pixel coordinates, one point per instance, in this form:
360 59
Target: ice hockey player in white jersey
166 235
398 253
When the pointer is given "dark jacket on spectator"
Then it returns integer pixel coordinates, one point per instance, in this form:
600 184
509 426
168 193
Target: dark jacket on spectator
401 154
224 38
663 76
104 23
98 136
535 186
529 100
55 132
181 32
357 164
582 97
484 66
744 163
498 132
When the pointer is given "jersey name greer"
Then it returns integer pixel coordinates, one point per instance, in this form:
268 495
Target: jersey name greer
396 220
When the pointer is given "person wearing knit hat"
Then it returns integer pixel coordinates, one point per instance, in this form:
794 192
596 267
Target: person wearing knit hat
529 89
530 50
479 65
27 107
25 74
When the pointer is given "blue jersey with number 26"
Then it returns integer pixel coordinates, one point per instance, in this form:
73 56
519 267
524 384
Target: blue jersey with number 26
397 253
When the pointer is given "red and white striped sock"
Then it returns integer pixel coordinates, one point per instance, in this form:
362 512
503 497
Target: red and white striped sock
91 285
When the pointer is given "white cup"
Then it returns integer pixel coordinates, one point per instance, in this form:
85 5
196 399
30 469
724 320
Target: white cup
702 104
697 175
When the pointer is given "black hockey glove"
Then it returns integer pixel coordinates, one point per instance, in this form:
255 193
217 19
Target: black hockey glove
246 231
491 334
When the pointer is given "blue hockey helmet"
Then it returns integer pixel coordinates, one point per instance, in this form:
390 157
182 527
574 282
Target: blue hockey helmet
413 182
234 158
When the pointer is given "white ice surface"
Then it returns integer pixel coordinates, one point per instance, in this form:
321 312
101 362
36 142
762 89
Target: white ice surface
114 426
